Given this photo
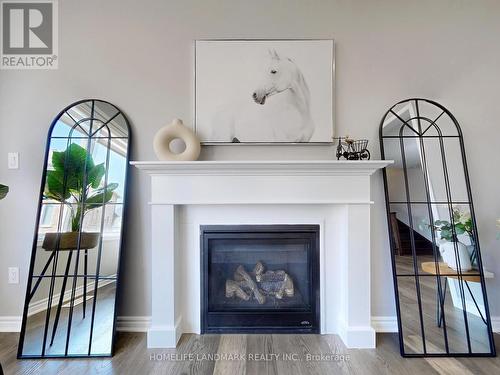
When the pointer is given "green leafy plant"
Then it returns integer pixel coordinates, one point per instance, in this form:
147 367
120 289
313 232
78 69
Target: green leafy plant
462 222
3 191
445 230
76 181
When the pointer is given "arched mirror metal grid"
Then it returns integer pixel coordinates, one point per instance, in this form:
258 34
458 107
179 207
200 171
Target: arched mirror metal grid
70 305
438 273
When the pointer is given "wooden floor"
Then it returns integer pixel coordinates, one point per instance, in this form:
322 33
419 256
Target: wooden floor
248 354
281 354
434 335
80 327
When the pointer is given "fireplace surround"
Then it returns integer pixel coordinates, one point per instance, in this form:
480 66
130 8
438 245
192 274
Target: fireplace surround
335 195
260 278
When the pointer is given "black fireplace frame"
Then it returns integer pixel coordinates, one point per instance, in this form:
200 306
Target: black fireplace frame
227 321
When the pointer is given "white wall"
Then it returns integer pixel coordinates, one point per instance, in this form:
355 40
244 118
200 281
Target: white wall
139 55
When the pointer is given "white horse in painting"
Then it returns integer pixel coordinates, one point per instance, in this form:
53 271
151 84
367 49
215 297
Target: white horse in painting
286 117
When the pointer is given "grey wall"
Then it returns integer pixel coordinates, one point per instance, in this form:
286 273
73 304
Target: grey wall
139 55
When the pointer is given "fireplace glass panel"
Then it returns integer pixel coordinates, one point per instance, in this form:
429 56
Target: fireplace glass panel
262 278
275 259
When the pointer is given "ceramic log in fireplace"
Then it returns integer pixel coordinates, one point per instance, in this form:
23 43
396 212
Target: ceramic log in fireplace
260 278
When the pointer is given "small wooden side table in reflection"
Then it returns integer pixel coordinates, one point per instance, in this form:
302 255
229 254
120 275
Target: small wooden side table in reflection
466 276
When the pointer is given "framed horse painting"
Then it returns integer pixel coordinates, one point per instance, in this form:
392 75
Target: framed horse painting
264 91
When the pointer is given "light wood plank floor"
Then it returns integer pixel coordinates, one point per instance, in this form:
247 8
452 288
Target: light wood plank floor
434 336
270 354
246 354
80 327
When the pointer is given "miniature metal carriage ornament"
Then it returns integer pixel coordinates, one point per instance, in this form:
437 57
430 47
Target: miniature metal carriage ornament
351 149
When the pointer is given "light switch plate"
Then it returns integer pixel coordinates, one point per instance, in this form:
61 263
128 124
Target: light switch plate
13 275
13 160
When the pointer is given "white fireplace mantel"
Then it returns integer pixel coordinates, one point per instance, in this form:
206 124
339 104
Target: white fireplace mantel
334 194
245 167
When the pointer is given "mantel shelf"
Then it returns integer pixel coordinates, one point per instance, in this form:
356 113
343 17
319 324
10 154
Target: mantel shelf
263 167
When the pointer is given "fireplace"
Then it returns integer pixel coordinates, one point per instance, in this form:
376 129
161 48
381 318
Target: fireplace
336 195
260 278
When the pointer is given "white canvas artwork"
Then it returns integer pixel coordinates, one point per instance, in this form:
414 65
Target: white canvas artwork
264 91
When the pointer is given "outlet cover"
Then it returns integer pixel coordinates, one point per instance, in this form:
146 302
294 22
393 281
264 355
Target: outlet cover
13 160
13 275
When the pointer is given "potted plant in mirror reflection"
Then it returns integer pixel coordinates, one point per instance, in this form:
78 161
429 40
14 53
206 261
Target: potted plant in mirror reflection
75 181
3 191
454 252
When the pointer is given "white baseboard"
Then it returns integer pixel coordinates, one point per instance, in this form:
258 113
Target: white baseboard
383 324
10 323
133 323
41 305
495 324
390 324
380 324
123 323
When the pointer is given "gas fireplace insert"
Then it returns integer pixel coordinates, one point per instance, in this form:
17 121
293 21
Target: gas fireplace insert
260 278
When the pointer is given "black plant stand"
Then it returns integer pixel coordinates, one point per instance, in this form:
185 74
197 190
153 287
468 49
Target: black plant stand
63 287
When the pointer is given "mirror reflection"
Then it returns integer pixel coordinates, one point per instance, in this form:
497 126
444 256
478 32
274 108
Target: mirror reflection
70 304
435 249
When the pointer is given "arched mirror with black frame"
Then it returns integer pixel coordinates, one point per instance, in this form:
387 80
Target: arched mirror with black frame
70 305
438 274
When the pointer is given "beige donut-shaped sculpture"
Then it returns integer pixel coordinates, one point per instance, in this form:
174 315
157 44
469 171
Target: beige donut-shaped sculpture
176 130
